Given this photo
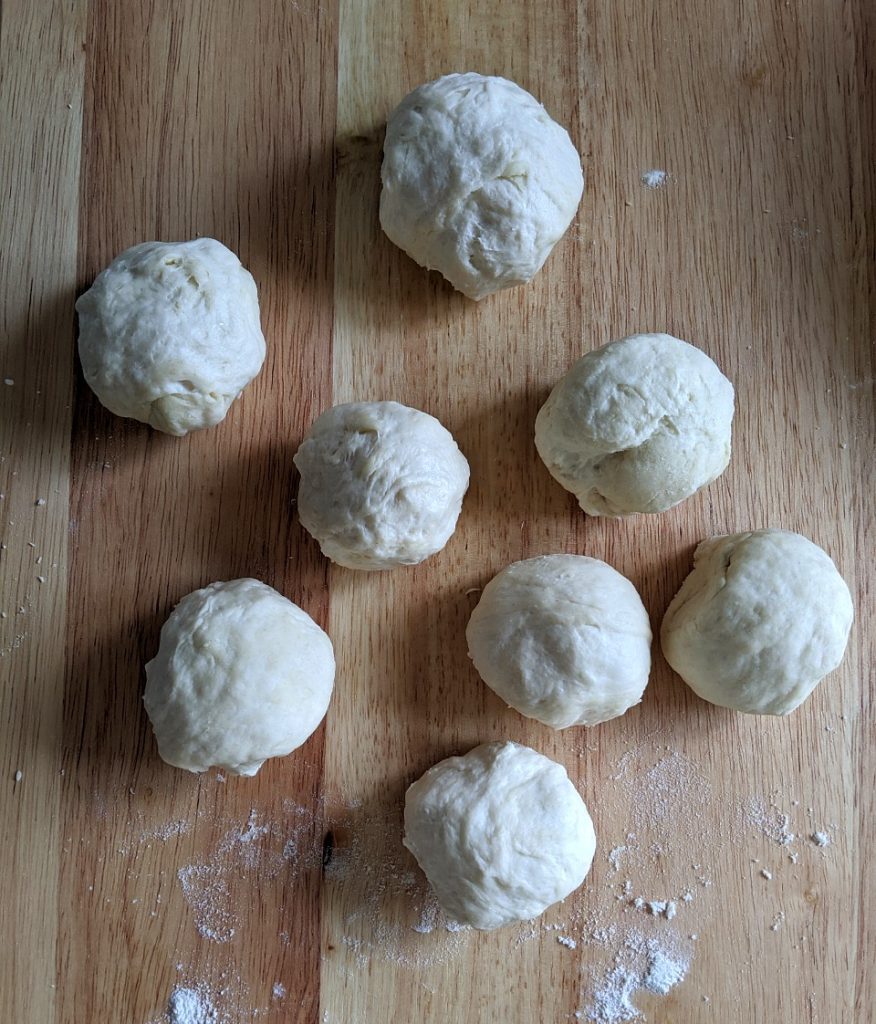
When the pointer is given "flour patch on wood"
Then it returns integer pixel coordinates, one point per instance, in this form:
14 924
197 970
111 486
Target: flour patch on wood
769 820
641 964
190 1006
654 179
395 917
245 857
169 830
634 939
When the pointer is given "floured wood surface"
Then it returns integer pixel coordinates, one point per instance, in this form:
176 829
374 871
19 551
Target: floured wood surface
138 893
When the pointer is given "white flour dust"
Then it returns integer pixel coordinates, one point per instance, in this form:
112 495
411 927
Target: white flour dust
220 1000
190 1006
769 821
641 942
641 963
246 856
656 908
208 894
391 914
166 831
654 179
634 937
666 800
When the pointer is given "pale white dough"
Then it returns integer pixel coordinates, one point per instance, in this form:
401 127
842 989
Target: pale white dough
500 833
169 334
637 426
763 617
381 484
242 674
564 639
478 181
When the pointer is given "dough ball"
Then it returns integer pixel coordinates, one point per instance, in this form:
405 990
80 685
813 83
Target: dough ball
562 638
169 334
478 181
500 833
241 675
763 617
637 426
381 484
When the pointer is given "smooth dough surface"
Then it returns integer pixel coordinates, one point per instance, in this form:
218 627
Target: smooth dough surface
564 639
501 833
763 617
479 182
169 334
637 425
242 674
381 484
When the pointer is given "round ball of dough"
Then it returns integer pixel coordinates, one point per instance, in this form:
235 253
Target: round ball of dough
637 426
564 639
241 675
169 334
478 181
500 833
763 617
381 484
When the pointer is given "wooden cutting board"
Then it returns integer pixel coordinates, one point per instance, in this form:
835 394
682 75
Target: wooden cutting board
288 897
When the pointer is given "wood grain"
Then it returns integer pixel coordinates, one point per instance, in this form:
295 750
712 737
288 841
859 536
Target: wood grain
208 119
41 88
260 123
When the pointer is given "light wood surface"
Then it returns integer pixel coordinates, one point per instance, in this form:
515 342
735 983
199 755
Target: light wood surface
289 897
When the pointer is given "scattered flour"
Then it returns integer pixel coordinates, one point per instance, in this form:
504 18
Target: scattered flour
661 908
394 916
611 1002
387 912
253 830
769 821
642 963
656 908
428 919
615 855
190 1006
654 179
665 792
208 894
664 973
167 831
667 800
246 856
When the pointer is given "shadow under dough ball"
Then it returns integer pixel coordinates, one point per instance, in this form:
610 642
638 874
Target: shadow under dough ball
479 182
763 617
169 334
